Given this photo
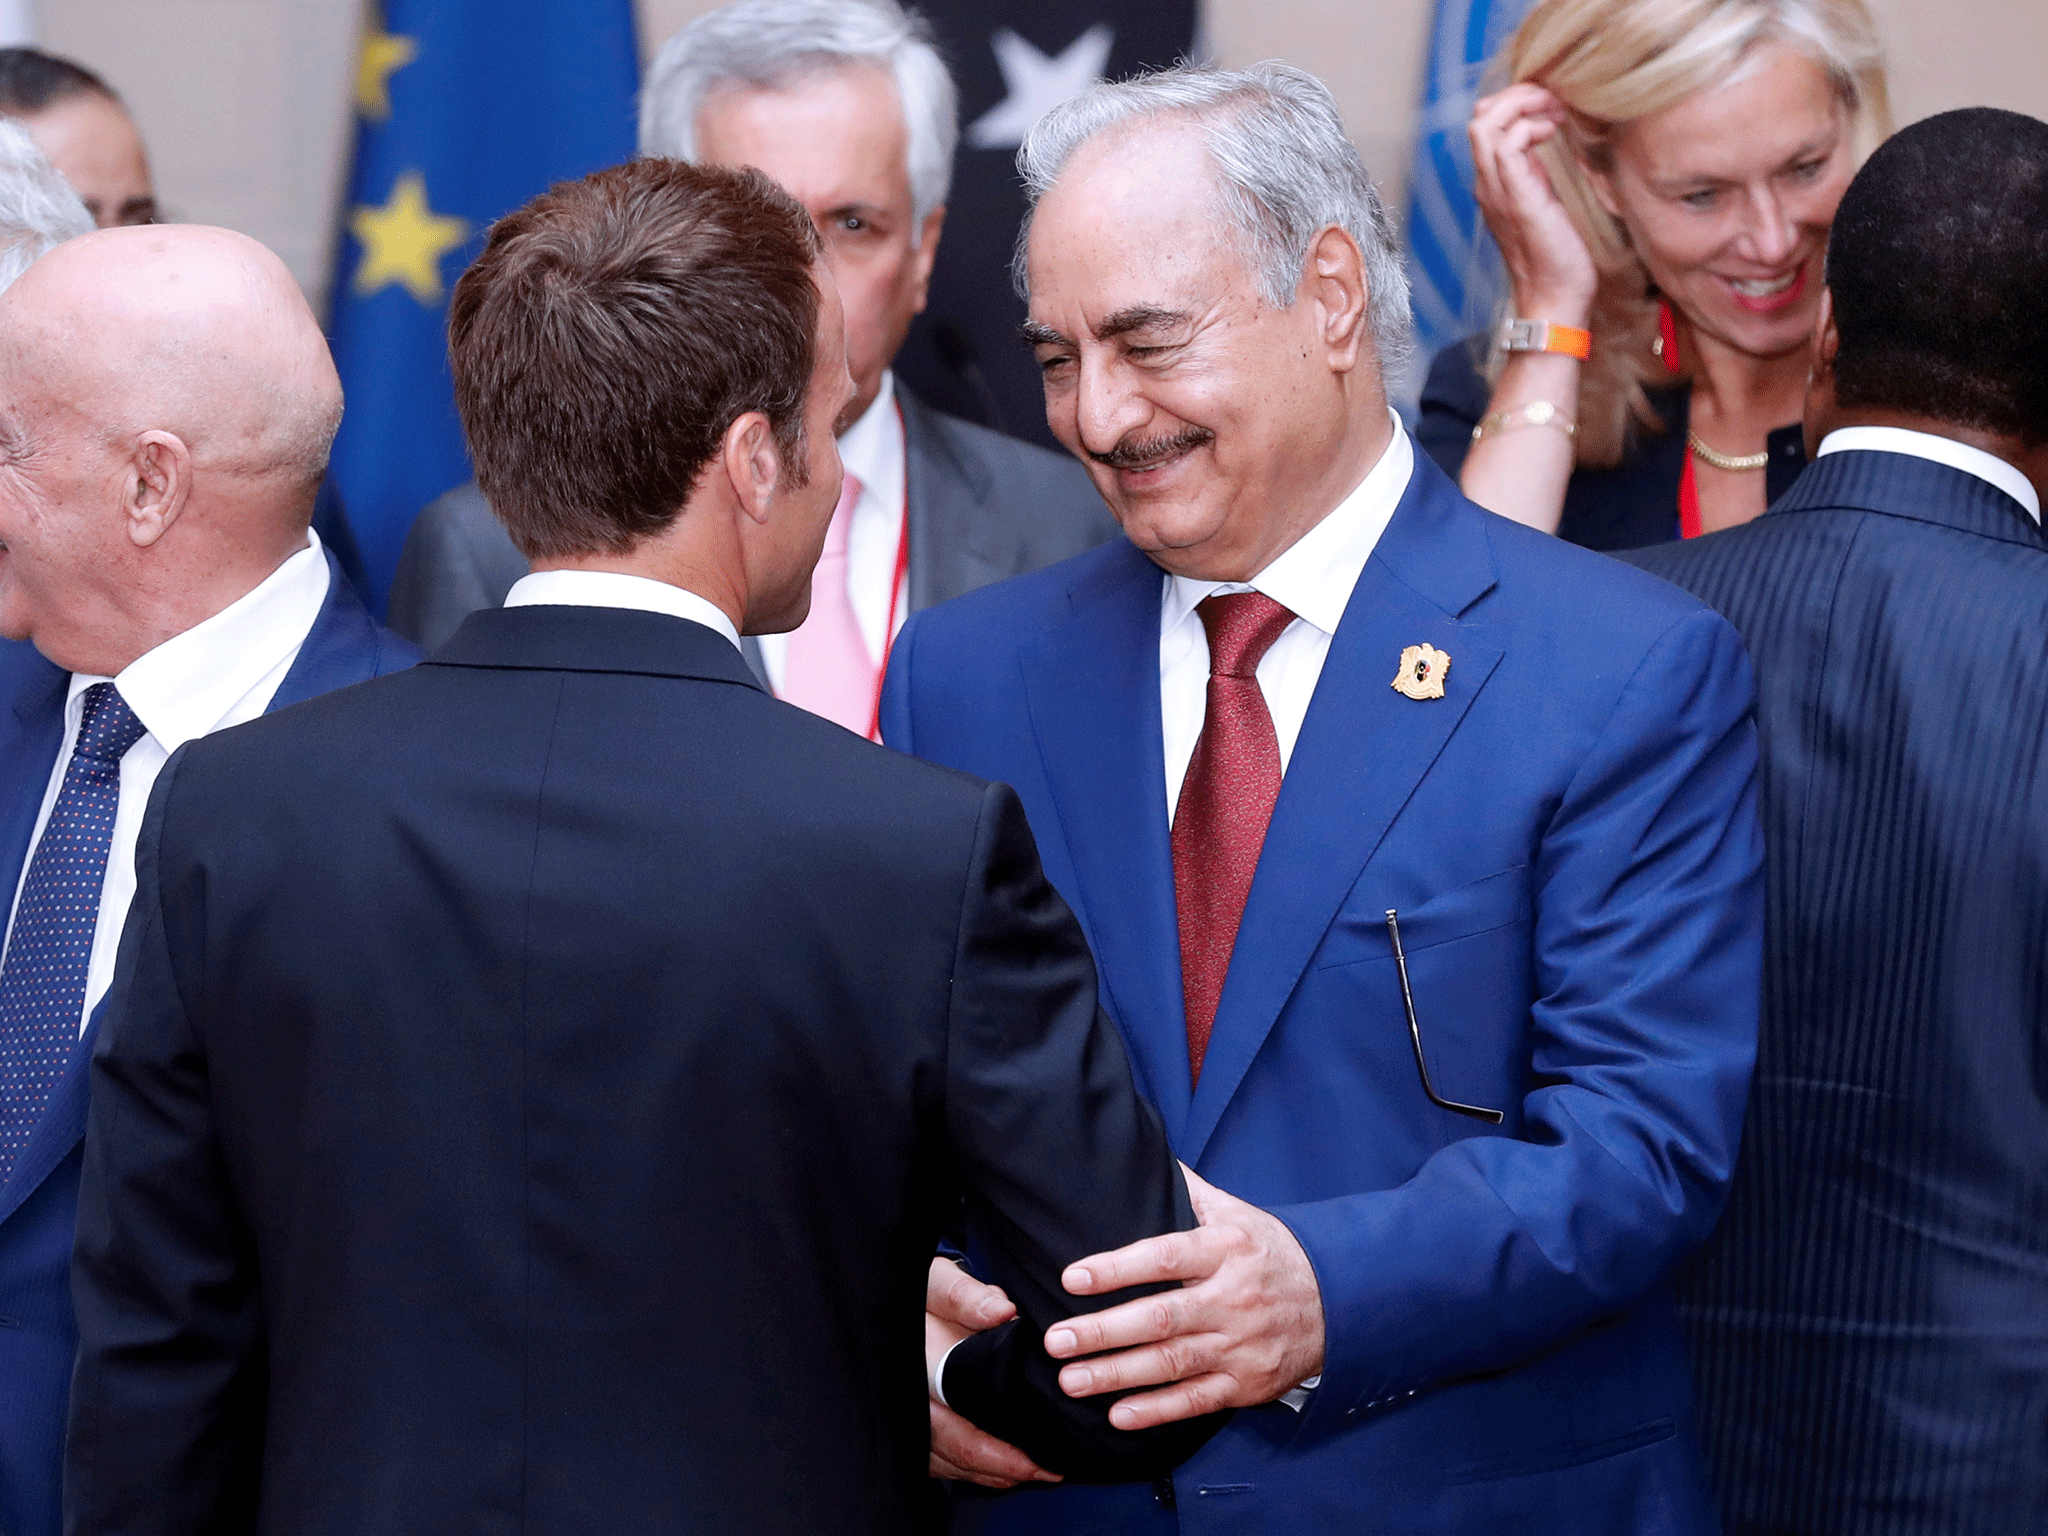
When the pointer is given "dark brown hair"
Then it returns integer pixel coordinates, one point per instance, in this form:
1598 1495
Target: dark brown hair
31 80
610 333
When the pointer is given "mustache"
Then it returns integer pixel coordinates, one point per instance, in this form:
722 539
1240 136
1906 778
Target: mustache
1130 454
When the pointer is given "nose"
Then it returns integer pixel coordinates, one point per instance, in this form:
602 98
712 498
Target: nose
1769 233
1107 405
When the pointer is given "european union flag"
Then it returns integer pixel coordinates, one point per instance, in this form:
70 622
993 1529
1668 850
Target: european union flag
1453 266
466 109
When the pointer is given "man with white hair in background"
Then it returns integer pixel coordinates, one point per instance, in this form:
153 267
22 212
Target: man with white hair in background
1418 852
848 105
166 404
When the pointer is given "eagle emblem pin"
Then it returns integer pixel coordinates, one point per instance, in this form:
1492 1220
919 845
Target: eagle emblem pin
1423 668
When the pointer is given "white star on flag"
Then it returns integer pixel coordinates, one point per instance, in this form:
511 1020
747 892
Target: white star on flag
1037 83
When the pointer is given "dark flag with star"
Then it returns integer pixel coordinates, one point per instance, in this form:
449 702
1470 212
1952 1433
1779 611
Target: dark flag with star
466 109
1014 62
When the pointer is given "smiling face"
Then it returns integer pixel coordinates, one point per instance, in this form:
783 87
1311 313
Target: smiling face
836 142
1728 196
1218 428
93 144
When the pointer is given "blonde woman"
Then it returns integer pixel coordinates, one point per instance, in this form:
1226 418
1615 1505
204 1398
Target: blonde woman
1660 176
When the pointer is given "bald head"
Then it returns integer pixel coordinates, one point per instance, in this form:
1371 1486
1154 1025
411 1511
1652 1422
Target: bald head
166 405
195 331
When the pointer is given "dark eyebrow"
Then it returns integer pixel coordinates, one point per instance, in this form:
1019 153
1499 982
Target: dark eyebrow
1033 334
1139 317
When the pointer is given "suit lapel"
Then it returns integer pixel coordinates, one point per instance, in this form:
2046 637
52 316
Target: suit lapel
31 731
1363 749
1093 687
341 648
944 496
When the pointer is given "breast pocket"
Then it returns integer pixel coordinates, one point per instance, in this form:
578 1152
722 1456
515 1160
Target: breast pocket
1469 971
1360 936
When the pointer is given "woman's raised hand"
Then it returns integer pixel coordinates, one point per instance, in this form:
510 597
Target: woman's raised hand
1547 261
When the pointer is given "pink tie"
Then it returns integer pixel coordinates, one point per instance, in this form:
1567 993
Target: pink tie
827 668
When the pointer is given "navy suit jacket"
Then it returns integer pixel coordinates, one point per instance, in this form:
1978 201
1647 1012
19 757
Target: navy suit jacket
1570 839
593 1187
39 1202
1870 1322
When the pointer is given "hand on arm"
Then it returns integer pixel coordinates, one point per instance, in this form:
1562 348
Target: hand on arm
1245 1327
1522 473
956 1305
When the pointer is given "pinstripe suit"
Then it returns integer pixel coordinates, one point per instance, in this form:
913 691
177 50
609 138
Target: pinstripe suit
1870 1322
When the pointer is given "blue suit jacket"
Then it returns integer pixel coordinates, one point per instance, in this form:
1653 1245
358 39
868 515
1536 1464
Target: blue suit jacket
1570 838
39 1202
1870 1322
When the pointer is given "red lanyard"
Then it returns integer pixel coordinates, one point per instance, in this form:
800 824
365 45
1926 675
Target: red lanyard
1688 483
898 587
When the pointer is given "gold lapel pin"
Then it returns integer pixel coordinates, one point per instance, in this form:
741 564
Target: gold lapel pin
1423 669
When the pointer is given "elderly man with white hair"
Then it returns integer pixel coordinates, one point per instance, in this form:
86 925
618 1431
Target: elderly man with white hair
848 105
1418 852
166 403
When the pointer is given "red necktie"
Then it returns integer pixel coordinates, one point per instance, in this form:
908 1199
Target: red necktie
1225 802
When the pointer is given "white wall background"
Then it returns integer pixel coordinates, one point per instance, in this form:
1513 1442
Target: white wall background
246 103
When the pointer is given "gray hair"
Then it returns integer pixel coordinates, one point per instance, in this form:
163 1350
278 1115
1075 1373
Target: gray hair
38 209
772 42
1284 167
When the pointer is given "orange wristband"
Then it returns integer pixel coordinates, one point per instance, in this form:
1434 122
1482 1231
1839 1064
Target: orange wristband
1542 336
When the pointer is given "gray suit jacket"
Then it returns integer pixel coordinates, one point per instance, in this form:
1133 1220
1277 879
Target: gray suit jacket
983 507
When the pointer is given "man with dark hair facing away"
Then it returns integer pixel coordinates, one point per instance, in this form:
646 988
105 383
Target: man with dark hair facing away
1870 1323
596 1190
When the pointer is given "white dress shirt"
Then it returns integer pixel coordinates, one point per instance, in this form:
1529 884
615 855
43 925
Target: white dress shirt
1312 578
872 451
615 589
1942 450
216 674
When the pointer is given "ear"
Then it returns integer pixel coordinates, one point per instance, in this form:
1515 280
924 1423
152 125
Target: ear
752 463
1334 277
1821 409
1827 340
1602 183
926 253
159 482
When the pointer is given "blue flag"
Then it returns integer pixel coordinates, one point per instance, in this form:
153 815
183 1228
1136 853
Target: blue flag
1453 266
465 109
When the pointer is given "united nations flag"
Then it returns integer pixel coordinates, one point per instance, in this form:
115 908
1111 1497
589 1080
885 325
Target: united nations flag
1454 269
465 109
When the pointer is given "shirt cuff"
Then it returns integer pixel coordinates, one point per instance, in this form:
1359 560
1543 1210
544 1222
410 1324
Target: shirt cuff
937 1384
1294 1397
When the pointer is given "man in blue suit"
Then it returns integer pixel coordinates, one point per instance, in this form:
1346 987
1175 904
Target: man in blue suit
1870 1322
166 401
1418 852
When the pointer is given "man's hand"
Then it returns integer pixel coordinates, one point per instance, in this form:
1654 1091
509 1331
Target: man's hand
957 1304
1245 1327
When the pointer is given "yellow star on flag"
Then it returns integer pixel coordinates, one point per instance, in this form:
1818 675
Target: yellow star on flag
404 241
382 55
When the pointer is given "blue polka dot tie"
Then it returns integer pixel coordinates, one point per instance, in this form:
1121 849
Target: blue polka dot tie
42 984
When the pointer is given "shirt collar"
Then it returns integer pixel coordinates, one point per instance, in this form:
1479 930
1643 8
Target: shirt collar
867 445
1312 578
1942 450
615 589
186 686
